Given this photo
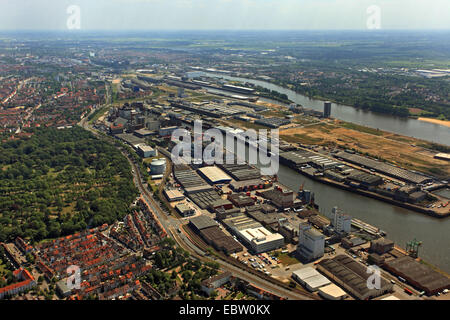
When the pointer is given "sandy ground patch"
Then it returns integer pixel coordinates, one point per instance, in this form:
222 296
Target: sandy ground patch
403 154
436 121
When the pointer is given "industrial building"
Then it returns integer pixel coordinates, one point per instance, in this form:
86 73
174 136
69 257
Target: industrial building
241 172
167 131
418 274
268 220
241 200
238 89
205 199
381 245
301 158
212 110
184 210
442 156
214 175
352 276
332 292
143 133
310 278
146 151
131 139
255 107
220 241
350 242
365 179
384 168
311 243
173 195
279 197
253 234
201 222
341 222
220 203
272 122
247 185
326 109
318 221
188 178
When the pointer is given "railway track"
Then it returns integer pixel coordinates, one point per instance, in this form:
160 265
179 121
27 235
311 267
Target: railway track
230 261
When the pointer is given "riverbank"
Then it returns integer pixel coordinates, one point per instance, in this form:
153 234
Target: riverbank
409 127
445 123
369 194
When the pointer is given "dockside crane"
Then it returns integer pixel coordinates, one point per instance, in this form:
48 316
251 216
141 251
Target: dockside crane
412 248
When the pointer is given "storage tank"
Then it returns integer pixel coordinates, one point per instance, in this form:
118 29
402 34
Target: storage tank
158 166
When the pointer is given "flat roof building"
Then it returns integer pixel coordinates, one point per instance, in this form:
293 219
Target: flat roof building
253 234
310 278
202 222
332 292
146 151
352 276
184 210
419 275
220 241
173 195
214 175
381 245
442 156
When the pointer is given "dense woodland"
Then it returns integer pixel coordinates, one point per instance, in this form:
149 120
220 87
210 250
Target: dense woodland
61 181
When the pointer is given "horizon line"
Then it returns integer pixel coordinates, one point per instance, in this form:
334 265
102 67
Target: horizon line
213 30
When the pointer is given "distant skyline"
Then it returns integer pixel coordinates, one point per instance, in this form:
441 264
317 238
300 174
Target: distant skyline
224 14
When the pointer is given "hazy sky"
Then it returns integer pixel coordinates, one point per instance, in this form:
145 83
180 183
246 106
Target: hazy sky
223 14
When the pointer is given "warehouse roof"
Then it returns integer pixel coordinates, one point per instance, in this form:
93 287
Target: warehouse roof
418 274
246 183
390 298
333 291
311 278
145 148
260 235
214 174
443 156
382 167
202 222
352 274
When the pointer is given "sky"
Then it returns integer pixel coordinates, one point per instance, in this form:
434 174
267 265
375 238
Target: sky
224 14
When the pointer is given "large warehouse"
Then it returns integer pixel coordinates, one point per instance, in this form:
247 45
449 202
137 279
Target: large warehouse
219 240
201 222
214 175
241 172
418 274
173 195
253 234
384 168
188 178
310 278
352 276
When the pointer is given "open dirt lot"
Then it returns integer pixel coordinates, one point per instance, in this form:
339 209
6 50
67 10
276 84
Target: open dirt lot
403 151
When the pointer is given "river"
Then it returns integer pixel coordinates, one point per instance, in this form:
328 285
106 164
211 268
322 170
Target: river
401 225
404 126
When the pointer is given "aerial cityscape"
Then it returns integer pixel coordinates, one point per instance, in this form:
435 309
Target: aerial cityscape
225 165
